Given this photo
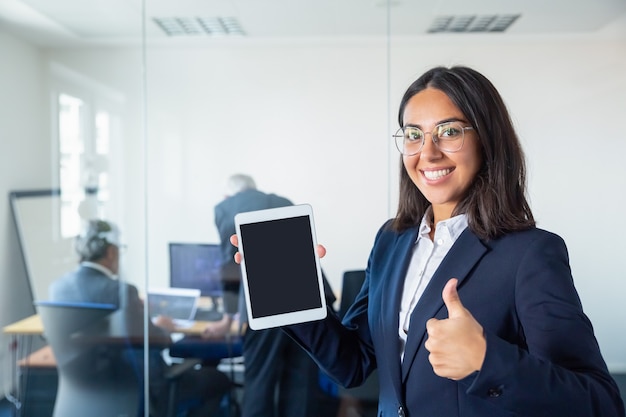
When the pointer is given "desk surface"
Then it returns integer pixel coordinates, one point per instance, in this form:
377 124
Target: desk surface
29 325
41 358
33 326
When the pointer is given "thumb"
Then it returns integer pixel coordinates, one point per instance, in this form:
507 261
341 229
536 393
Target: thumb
451 299
321 251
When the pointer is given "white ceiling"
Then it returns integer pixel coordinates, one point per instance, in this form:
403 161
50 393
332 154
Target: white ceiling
54 22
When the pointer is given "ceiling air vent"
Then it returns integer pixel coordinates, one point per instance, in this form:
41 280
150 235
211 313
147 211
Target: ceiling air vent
200 26
472 23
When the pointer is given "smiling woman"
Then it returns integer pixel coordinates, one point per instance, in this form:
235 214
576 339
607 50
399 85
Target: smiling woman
484 315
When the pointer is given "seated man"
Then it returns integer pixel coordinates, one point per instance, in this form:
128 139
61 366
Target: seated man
94 281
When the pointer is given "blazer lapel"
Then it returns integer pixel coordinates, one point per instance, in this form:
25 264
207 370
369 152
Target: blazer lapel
388 324
459 261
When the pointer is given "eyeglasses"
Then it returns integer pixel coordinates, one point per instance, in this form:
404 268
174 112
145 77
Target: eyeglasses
447 137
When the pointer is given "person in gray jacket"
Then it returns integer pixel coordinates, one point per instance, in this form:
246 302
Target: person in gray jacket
95 281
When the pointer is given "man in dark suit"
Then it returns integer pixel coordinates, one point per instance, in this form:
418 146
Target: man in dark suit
242 195
95 281
272 359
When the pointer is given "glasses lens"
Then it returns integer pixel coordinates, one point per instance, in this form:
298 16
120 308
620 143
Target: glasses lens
409 140
449 136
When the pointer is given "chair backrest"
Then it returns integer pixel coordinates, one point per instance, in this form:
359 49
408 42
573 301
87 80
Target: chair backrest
62 320
368 391
97 375
350 287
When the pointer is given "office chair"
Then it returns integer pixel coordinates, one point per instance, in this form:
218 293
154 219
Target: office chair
366 395
214 353
95 376
350 287
99 364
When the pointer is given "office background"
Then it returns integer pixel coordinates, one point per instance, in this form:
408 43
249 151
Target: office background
311 119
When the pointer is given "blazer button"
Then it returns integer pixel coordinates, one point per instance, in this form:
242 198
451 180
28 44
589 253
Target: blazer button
401 412
494 392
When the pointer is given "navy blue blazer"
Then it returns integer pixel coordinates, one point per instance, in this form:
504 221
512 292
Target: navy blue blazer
542 356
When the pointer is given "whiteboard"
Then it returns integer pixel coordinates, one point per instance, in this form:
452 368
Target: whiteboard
46 254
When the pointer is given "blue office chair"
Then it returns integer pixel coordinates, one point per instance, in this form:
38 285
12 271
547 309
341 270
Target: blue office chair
96 376
100 361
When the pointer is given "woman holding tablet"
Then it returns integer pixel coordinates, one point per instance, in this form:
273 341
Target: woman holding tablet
467 308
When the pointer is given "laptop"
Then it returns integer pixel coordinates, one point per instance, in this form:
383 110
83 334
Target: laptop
180 304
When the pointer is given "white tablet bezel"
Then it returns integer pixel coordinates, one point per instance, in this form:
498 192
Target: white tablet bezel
283 319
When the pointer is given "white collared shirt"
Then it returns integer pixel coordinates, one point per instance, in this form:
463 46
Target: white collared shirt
106 271
426 258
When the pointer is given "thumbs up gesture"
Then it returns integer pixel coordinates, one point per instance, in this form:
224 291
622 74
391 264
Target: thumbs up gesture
457 345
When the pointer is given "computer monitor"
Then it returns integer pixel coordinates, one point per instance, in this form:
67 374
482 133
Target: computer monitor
196 265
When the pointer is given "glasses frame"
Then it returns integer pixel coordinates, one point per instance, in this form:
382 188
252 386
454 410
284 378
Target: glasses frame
399 137
122 247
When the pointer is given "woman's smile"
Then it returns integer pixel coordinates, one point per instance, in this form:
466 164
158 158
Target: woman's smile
436 174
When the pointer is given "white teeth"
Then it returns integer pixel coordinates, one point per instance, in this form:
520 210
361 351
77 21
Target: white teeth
435 175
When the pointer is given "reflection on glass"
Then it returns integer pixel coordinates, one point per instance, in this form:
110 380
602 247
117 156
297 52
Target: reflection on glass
71 150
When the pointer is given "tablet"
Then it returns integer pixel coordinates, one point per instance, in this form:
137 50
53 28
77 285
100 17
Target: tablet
280 268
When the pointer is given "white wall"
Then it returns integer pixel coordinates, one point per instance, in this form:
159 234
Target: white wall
24 163
310 121
24 159
307 123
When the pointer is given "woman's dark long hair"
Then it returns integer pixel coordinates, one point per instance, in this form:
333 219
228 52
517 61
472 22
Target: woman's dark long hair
495 203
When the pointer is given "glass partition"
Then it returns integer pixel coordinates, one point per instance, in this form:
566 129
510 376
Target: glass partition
83 352
300 106
144 126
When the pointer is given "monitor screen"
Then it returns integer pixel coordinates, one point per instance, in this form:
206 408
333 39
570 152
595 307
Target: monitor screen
196 265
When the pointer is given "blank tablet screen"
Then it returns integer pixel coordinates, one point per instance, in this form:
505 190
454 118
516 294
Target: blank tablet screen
280 266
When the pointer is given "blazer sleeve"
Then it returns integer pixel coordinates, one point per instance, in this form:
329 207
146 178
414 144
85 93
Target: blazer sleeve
556 369
344 350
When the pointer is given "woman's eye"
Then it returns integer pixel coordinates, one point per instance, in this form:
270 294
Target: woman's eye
413 135
449 132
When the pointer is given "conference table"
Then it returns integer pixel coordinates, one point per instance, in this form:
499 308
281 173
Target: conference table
32 326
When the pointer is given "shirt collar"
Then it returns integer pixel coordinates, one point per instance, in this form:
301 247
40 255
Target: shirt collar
106 271
455 225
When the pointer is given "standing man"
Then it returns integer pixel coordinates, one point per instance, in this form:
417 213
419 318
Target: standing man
242 196
272 360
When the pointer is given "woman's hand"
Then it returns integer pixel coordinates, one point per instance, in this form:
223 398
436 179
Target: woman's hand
457 344
321 250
